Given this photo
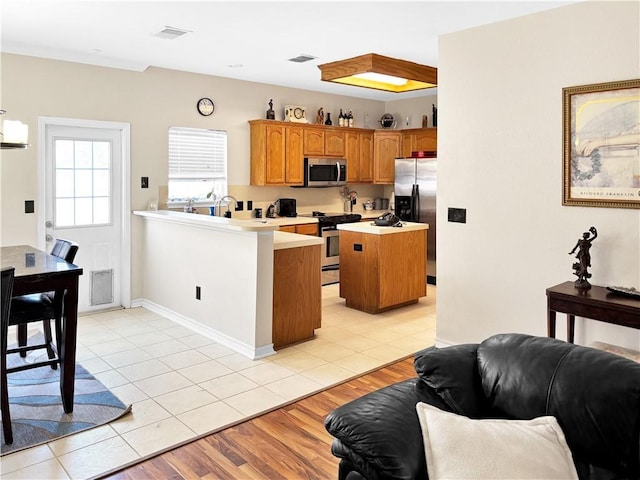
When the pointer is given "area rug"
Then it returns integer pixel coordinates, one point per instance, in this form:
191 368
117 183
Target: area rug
36 409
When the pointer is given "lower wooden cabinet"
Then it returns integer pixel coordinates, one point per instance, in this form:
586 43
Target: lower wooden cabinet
303 229
297 294
380 272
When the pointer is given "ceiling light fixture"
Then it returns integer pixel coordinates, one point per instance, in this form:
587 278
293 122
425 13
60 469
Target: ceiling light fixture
380 73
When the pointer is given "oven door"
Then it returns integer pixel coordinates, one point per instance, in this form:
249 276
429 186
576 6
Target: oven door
331 252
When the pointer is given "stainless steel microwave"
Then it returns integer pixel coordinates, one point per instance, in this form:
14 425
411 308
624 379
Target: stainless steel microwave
325 172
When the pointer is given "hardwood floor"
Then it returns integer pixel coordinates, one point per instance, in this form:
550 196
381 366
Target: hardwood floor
288 443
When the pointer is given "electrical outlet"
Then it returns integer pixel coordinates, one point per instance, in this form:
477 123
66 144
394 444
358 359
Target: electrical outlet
144 182
197 293
457 215
239 206
249 204
29 206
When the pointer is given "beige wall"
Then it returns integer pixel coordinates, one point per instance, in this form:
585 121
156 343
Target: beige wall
500 151
151 102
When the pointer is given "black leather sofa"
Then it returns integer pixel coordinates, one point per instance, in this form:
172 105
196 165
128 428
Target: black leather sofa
594 395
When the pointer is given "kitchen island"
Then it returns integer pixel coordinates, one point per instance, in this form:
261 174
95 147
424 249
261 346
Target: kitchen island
215 276
382 267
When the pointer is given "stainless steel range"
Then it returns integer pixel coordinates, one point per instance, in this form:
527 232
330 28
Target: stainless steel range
327 229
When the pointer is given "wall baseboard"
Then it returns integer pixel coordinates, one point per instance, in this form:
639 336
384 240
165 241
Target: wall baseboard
242 348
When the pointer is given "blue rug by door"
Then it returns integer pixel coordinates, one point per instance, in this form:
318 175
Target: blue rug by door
36 409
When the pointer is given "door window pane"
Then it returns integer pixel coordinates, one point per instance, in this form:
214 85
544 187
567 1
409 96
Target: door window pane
64 154
82 182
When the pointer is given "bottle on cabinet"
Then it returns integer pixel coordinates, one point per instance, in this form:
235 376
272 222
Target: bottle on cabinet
328 120
350 119
341 119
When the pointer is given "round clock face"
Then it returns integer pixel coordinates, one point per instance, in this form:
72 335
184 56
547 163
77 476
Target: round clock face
298 113
205 106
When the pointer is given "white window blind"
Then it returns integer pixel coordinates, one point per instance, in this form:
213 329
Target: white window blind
197 163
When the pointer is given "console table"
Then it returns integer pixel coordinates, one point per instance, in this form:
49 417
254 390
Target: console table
596 303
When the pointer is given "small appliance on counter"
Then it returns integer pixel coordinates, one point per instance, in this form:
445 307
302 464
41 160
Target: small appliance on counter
287 207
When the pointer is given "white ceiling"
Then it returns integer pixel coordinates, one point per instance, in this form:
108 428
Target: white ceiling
246 40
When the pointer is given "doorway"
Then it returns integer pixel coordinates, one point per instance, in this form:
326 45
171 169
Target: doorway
84 196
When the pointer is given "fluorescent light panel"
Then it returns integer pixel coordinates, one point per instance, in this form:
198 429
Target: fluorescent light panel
397 75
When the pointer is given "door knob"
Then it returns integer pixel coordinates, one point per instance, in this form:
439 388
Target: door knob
49 238
49 224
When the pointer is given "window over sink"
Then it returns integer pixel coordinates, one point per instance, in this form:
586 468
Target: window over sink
197 164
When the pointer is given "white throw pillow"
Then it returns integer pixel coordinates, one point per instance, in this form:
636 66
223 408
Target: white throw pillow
457 447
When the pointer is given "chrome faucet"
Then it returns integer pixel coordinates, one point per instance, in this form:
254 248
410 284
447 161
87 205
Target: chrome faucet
222 199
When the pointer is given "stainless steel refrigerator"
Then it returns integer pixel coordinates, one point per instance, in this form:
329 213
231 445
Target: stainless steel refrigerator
415 200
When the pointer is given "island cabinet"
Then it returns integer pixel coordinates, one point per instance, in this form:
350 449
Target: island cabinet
386 147
419 140
297 294
323 141
382 267
276 153
359 155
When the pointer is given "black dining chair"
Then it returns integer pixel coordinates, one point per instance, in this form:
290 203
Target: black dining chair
42 307
6 291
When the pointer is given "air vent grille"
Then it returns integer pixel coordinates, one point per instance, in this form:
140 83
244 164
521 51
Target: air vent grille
302 58
171 33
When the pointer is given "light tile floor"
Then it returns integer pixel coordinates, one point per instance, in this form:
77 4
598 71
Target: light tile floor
183 385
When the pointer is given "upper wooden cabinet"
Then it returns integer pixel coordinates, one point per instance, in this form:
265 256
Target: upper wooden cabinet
278 150
276 153
334 143
359 155
419 139
323 141
386 148
313 141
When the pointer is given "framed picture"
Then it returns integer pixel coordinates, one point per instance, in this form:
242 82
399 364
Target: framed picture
601 155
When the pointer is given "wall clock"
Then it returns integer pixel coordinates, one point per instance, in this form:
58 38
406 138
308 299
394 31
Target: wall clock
295 113
206 106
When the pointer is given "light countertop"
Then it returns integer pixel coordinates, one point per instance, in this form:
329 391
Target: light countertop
367 227
282 240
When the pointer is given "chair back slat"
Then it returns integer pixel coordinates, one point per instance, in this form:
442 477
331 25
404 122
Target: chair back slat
65 249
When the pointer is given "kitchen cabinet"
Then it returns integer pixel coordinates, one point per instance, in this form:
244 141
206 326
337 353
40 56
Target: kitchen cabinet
359 155
323 141
418 140
313 141
276 153
297 294
302 229
382 267
386 148
278 150
334 143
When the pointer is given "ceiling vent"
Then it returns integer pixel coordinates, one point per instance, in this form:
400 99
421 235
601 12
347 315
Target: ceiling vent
301 58
171 33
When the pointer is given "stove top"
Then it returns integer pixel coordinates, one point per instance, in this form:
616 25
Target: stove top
326 219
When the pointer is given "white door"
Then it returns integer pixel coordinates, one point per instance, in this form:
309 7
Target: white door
83 202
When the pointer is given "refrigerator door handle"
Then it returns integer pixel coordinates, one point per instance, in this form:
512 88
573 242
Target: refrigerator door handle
415 203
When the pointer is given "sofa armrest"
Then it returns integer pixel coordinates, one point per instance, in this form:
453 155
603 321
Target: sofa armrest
453 373
379 433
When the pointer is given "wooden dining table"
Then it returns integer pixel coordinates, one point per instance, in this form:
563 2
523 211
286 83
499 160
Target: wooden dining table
37 272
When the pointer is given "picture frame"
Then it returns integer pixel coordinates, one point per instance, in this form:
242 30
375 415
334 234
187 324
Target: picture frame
601 145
